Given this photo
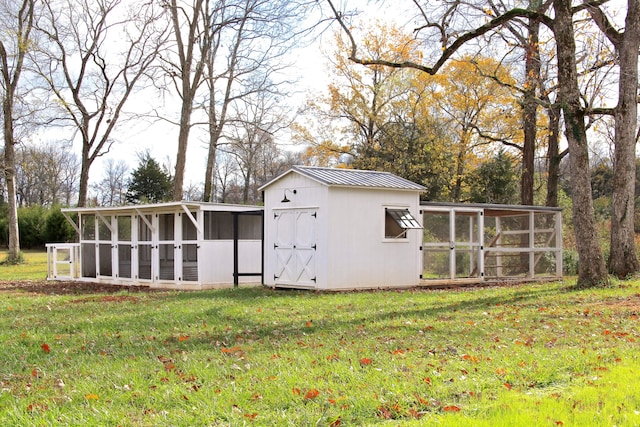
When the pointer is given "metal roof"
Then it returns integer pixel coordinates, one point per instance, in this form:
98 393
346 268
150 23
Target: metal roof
490 209
164 206
353 178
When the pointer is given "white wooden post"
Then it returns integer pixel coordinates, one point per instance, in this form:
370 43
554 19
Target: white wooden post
558 227
532 257
481 245
498 244
452 244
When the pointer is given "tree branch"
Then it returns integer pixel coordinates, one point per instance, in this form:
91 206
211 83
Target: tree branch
601 20
448 51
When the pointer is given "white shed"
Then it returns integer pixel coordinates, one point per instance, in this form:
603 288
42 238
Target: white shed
328 228
178 245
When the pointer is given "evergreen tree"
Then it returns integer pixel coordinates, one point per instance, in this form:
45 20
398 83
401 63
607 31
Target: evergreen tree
149 183
495 181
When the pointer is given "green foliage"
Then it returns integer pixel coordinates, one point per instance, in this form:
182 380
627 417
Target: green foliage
31 223
149 183
37 225
494 181
569 262
58 229
535 354
408 151
601 180
4 225
602 189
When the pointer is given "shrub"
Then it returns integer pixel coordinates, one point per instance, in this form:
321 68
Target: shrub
57 228
569 262
31 222
4 225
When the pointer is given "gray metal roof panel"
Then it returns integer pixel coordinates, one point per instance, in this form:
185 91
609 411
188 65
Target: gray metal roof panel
490 206
357 178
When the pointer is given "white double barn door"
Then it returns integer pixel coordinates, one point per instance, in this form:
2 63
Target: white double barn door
295 247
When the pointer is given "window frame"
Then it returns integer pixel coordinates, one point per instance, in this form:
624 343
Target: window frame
402 220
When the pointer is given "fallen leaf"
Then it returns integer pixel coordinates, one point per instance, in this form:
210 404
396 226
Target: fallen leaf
421 400
365 361
415 414
336 422
45 347
384 413
471 358
312 394
183 338
251 416
295 391
91 396
451 408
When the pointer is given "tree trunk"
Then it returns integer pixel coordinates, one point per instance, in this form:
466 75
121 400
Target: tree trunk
530 113
10 177
190 76
623 261
183 139
553 156
591 267
214 134
209 177
83 189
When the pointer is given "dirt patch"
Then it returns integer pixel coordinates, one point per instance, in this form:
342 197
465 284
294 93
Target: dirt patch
70 288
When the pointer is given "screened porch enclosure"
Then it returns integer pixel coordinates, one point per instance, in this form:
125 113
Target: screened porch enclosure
490 242
176 245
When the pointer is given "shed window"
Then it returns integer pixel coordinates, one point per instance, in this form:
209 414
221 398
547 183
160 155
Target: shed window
397 222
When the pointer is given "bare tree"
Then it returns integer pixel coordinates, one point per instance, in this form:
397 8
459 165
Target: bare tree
17 21
259 119
190 22
592 268
247 57
98 52
226 170
112 187
46 174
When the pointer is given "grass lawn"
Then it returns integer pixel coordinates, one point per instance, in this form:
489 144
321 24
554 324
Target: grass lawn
535 354
35 267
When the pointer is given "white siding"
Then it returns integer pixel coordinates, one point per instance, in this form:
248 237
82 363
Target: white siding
359 255
351 249
216 261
